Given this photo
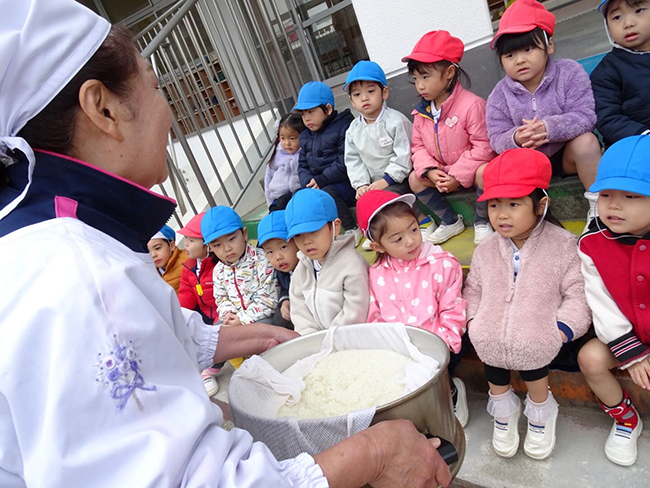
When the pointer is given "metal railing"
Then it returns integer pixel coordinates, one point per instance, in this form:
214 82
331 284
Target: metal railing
224 97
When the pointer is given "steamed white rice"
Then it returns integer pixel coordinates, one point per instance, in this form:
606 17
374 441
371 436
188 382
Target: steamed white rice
350 380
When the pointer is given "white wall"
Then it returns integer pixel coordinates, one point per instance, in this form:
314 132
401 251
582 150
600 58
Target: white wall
391 28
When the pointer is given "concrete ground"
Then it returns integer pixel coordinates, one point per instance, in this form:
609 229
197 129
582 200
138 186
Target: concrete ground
578 460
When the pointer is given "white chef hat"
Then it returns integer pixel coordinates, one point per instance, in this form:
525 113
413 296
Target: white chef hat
43 45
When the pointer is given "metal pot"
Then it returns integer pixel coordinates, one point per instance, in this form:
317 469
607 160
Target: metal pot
430 407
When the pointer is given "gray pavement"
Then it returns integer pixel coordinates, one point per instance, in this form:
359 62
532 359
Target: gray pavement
577 461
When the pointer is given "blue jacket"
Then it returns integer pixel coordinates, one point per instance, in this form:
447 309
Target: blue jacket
322 153
620 84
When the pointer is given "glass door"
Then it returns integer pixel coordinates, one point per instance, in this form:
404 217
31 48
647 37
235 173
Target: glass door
333 34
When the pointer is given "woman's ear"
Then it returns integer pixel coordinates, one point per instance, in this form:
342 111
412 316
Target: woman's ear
544 203
102 108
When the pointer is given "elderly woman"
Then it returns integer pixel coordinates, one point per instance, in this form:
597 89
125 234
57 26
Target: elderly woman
99 365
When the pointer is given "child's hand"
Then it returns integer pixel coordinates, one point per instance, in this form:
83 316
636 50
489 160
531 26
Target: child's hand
285 310
640 373
448 185
532 134
312 184
436 175
379 185
563 336
361 190
231 319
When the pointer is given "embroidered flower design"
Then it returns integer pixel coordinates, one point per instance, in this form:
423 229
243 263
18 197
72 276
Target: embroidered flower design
118 370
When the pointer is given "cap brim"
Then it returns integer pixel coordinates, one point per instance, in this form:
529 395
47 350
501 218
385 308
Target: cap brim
305 227
506 191
221 232
515 29
407 198
422 58
621 184
189 233
271 235
602 4
363 78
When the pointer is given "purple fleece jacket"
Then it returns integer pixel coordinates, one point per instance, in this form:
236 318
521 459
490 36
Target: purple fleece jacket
563 100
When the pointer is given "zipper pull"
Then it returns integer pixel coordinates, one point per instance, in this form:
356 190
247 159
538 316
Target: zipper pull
199 289
534 104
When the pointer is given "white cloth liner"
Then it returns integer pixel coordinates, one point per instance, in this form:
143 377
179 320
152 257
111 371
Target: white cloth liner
257 391
540 413
503 406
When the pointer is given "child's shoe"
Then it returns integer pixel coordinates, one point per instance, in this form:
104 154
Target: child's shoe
506 410
460 401
366 245
427 226
445 232
210 382
620 447
542 418
356 233
481 231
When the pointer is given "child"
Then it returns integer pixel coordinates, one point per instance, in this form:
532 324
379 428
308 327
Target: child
282 254
525 297
167 257
378 142
419 285
542 103
620 81
615 264
245 290
281 178
330 283
450 146
322 164
195 289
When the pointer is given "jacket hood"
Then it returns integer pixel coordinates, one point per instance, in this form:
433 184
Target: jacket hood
339 243
424 107
428 254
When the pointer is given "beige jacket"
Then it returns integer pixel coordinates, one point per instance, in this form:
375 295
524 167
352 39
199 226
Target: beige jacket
340 296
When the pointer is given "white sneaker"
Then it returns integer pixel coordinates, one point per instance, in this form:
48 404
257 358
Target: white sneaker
357 235
481 231
540 441
366 245
620 447
460 409
210 384
505 437
445 232
428 230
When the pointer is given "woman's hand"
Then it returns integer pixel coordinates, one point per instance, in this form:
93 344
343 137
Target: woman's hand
388 454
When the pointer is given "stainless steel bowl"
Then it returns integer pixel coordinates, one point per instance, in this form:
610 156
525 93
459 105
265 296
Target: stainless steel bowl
429 407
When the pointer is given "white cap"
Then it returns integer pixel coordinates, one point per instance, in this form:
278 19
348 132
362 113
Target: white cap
43 45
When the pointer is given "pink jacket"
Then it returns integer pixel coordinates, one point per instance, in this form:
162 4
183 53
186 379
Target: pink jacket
424 292
514 324
458 143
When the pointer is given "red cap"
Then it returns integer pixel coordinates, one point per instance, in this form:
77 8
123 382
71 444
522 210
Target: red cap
524 16
193 227
373 201
516 173
435 46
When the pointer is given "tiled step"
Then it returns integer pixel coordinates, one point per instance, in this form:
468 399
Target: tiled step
566 195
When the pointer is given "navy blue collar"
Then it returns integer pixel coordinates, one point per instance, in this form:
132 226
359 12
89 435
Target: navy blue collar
66 187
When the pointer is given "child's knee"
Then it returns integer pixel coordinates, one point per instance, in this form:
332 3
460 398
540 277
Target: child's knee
585 147
478 178
594 358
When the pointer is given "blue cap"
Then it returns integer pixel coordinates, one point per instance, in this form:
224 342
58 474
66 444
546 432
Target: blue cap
313 94
166 233
309 210
625 166
273 226
365 71
219 221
